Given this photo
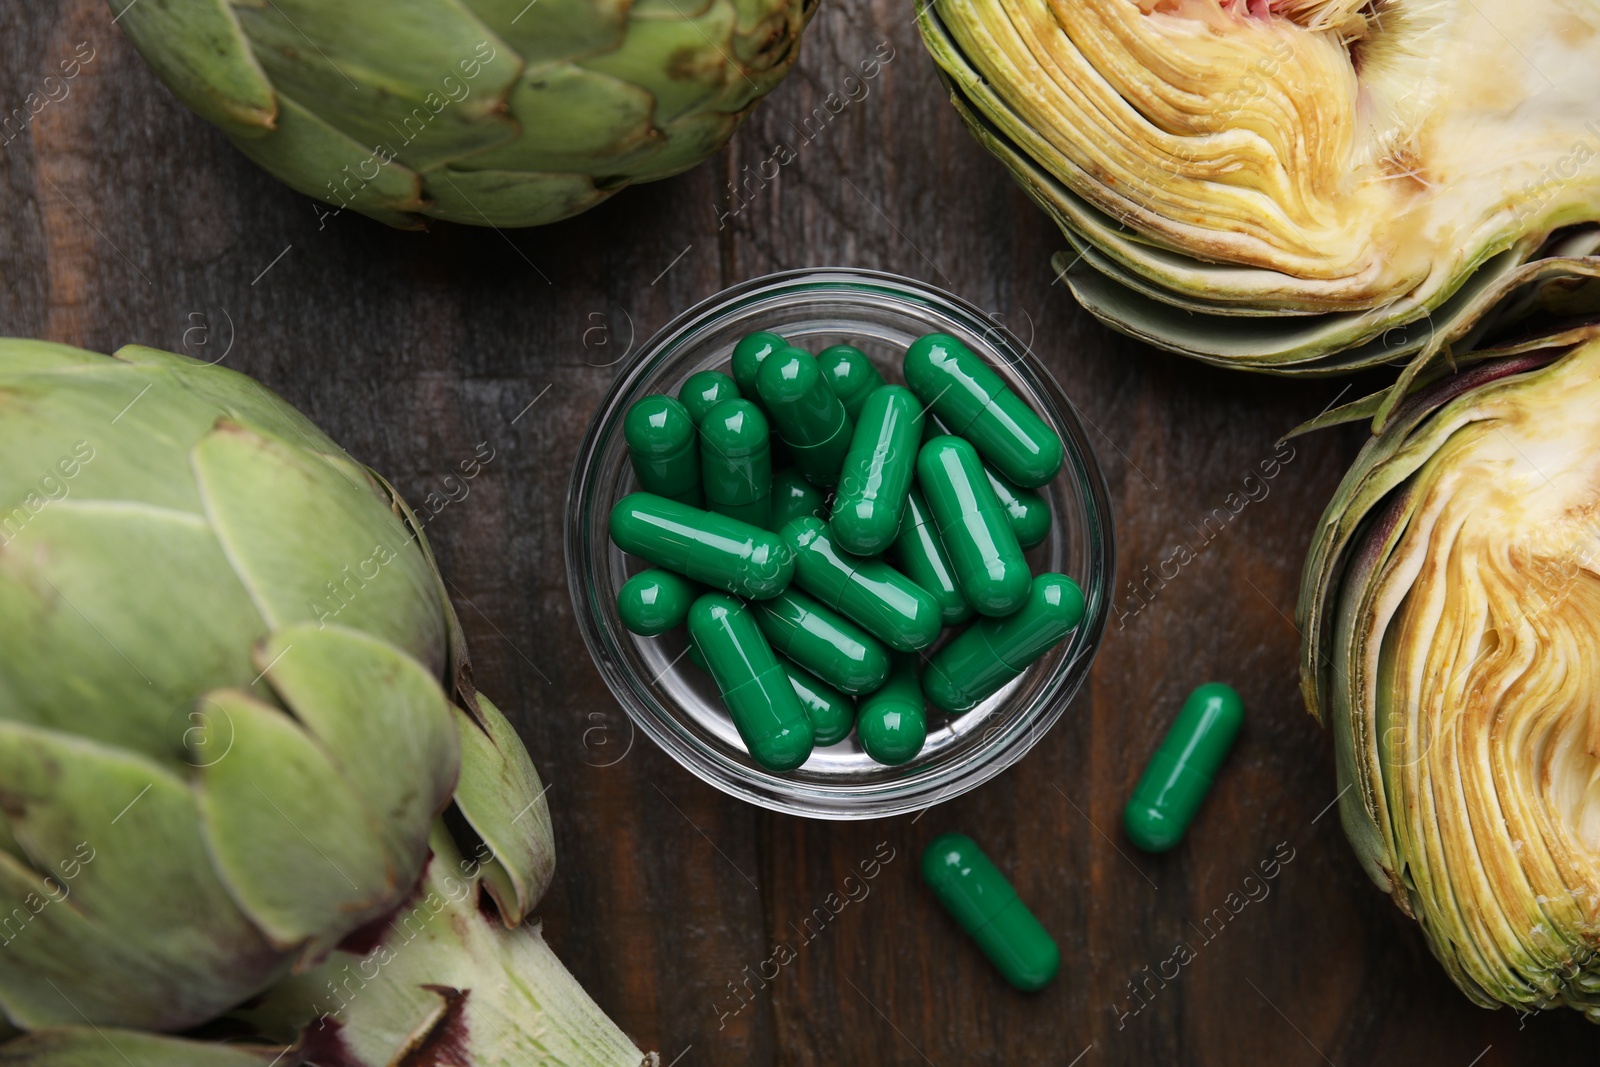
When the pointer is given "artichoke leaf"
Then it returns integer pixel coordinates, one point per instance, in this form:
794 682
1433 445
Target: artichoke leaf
203 57
65 599
310 156
371 708
77 935
560 31
82 1046
501 797
303 536
298 847
434 91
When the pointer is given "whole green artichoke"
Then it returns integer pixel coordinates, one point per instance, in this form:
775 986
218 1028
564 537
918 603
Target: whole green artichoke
490 112
1450 608
225 748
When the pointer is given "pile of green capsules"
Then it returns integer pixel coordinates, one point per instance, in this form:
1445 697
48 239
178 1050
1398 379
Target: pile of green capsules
796 604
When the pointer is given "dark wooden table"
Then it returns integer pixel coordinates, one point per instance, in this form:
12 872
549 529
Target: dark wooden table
127 219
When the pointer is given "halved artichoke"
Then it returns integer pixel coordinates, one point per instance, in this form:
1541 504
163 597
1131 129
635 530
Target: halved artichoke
1289 185
1450 608
489 112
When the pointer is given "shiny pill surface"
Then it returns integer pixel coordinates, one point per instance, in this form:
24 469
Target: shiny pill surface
661 443
655 601
755 688
832 714
736 462
850 374
794 497
877 472
1180 773
704 390
973 402
984 904
991 652
810 420
892 723
826 644
886 603
1027 511
748 355
922 558
989 566
712 549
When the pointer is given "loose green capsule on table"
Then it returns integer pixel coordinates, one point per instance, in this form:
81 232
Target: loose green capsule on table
704 390
984 904
793 497
832 714
756 689
892 722
712 549
654 601
989 566
1181 771
991 652
1027 511
877 472
851 376
885 602
748 355
973 402
736 463
833 648
922 558
810 419
661 443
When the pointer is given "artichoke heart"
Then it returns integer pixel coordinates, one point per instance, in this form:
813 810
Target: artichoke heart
1351 162
1451 612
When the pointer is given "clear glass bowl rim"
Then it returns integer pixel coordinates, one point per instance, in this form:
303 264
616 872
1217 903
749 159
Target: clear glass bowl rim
935 784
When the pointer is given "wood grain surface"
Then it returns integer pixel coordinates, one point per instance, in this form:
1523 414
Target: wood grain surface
127 219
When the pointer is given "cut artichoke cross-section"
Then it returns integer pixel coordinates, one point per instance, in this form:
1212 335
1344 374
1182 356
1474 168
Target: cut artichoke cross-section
1236 157
1451 607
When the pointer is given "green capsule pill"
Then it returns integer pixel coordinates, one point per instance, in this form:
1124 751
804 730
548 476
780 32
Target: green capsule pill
1026 510
888 604
851 376
922 559
755 687
735 462
832 714
810 419
654 601
892 722
983 904
833 648
1181 772
749 354
712 549
989 566
991 652
792 497
704 390
972 401
877 472
661 443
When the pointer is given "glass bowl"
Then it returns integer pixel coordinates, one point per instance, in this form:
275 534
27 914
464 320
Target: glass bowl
677 705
